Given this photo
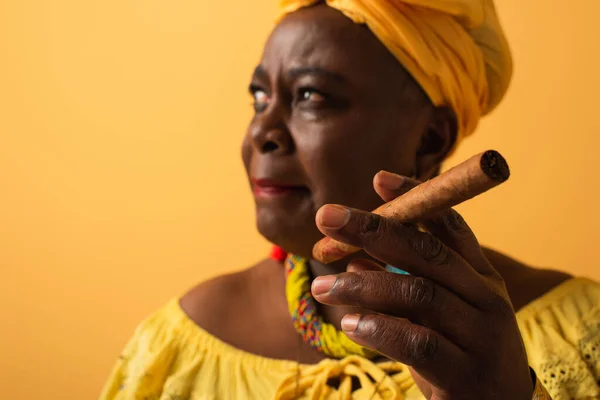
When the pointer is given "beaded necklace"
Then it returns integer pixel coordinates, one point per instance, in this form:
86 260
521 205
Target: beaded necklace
303 309
323 336
308 323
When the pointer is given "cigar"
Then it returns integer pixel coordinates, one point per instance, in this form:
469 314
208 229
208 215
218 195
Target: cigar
471 178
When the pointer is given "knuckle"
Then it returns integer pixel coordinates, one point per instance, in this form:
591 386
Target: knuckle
431 249
371 225
505 307
427 345
420 346
455 222
497 280
500 304
420 291
416 345
450 221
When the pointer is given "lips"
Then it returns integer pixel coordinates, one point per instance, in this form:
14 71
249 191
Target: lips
264 187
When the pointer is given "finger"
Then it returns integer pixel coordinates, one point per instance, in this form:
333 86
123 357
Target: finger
390 186
448 226
461 183
418 299
418 253
451 228
363 264
435 358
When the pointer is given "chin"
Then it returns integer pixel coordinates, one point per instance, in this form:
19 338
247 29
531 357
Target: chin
292 233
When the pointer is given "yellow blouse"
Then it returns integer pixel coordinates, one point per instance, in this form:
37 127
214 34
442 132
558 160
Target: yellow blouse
171 358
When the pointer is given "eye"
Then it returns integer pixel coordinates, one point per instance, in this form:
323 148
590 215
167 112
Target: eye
260 97
308 94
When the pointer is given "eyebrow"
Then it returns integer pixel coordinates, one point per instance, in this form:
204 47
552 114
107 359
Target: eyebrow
318 71
260 72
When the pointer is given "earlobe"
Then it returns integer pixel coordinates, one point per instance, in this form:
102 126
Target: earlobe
436 143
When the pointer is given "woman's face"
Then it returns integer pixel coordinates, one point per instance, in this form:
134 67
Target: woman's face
332 108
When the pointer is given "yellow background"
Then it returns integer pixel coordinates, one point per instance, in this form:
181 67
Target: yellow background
121 183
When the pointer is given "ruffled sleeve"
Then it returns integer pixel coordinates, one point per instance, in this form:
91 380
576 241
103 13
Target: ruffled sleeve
169 357
144 364
561 332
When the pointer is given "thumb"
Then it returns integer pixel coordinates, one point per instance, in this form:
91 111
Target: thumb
389 185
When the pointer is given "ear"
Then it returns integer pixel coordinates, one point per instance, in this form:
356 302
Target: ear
437 141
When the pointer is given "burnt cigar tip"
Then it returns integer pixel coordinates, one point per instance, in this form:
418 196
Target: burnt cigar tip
495 166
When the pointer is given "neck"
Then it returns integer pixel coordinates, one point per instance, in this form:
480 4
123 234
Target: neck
334 315
319 269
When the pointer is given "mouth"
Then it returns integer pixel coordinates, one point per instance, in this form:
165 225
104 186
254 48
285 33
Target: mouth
274 188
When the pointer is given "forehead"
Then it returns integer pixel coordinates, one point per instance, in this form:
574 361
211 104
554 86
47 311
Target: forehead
321 36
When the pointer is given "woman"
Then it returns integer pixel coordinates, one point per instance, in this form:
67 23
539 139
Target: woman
344 92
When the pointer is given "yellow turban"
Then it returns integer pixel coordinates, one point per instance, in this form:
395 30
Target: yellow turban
455 49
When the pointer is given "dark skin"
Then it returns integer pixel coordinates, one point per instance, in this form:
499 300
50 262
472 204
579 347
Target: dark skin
333 109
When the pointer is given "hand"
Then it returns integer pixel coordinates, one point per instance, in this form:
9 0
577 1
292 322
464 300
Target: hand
451 321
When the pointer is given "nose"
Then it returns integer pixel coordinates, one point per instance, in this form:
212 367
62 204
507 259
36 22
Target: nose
269 132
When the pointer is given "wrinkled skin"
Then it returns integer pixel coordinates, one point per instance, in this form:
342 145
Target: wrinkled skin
333 108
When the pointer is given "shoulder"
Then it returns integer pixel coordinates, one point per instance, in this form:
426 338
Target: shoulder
168 344
221 305
210 303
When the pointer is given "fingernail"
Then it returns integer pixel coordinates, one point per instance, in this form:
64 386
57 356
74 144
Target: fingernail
334 216
323 284
390 180
350 322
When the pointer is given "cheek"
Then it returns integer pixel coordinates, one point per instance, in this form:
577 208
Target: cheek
246 152
342 156
341 169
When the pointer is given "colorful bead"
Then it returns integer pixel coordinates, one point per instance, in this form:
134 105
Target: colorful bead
308 323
